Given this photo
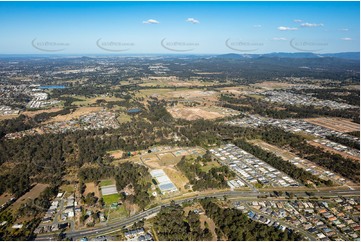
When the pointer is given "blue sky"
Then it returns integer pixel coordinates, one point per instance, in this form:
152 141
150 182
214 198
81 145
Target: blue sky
178 27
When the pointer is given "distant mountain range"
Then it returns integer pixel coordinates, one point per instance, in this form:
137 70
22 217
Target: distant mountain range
342 55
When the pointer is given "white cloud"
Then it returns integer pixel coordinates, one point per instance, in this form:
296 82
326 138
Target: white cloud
345 29
310 25
297 20
151 21
192 20
257 26
346 39
279 38
283 28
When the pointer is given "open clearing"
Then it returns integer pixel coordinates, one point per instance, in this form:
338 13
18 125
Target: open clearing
124 118
75 114
119 212
91 187
337 124
181 94
10 116
177 177
172 81
273 85
106 183
32 194
192 113
4 198
89 101
109 199
211 225
166 158
210 165
116 154
67 188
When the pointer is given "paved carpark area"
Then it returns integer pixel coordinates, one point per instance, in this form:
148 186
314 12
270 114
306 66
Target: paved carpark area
108 190
251 168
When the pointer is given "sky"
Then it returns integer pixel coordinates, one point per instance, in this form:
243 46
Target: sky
178 27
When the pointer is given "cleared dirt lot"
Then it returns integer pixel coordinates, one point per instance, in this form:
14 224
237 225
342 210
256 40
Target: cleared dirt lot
32 194
211 225
193 113
337 124
116 154
4 198
273 85
91 187
172 81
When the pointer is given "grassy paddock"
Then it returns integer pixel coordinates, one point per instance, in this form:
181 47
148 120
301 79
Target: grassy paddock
109 199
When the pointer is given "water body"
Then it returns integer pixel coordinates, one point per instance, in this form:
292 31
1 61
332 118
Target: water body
52 87
134 110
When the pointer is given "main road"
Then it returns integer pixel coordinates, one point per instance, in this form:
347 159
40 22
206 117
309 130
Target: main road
118 224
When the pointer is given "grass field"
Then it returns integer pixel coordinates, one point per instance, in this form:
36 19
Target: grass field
177 177
88 101
106 183
256 96
120 212
109 199
67 188
123 118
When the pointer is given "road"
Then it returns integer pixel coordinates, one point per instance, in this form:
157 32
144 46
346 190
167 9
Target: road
118 224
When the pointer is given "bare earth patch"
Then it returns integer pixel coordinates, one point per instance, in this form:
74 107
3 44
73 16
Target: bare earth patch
193 113
4 198
273 85
211 225
337 124
32 194
91 187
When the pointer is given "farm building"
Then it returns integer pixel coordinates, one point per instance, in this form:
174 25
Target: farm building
164 183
